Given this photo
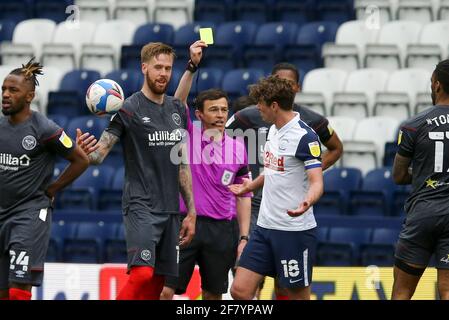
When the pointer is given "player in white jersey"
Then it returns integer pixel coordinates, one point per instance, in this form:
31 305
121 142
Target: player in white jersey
283 244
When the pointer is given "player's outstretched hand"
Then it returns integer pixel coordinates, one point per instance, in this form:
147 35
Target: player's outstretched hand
303 207
239 189
86 141
187 230
196 51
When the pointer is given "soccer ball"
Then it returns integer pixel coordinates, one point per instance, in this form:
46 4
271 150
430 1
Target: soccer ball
104 96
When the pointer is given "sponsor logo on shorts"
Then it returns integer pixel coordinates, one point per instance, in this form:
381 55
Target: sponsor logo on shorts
145 255
29 143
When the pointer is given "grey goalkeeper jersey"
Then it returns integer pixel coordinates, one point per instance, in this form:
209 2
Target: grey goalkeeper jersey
27 156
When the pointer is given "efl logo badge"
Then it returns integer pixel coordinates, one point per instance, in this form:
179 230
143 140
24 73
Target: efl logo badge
226 178
315 149
65 140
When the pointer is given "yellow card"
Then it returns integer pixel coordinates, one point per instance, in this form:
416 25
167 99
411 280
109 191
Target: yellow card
206 35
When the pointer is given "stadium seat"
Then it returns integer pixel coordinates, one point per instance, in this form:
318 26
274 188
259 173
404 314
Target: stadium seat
59 55
7 27
87 246
375 196
235 82
96 11
131 81
176 75
175 12
368 82
257 11
410 81
338 183
60 119
68 103
392 104
236 34
312 100
356 33
322 233
207 78
18 10
136 11
317 33
218 11
341 56
417 10
353 104
380 251
366 149
222 57
383 56
79 81
153 32
16 54
337 11
443 10
342 248
35 32
371 9
115 248
400 195
75 35
390 152
326 82
423 102
343 126
305 57
299 12
60 231
47 83
436 33
92 124
423 56
400 33
84 192
130 57
111 198
52 9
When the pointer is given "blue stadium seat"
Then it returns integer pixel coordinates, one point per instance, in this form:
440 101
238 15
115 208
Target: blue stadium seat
79 80
115 248
206 78
305 57
17 10
111 198
235 82
342 248
176 75
60 119
258 11
338 182
399 197
130 80
375 196
188 33
60 230
322 233
338 11
67 103
269 42
296 11
218 11
7 29
236 33
154 32
380 251
130 57
317 33
390 152
52 9
220 56
88 244
84 192
92 124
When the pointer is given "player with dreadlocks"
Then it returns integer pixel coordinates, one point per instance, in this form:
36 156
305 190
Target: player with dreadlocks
29 144
424 146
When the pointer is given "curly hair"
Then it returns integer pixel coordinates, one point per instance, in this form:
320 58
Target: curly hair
273 89
30 71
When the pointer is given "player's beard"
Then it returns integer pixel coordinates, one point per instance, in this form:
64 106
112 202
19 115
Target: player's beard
14 109
154 87
434 97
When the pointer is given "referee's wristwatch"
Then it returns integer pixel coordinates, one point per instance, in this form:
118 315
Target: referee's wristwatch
244 238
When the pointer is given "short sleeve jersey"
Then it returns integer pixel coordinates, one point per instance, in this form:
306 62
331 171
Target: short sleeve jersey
425 139
27 157
288 153
150 134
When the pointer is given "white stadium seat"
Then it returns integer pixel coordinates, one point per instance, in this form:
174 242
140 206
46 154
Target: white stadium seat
137 11
174 12
96 11
75 34
352 104
313 101
381 9
343 126
341 56
35 32
415 10
16 54
436 33
48 82
423 56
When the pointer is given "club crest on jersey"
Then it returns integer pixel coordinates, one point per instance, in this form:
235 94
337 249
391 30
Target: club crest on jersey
145 255
314 148
29 143
65 140
226 178
176 119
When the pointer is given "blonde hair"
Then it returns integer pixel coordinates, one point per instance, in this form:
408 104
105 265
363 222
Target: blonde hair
153 49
